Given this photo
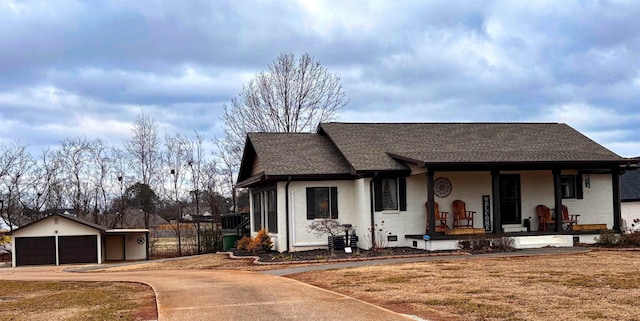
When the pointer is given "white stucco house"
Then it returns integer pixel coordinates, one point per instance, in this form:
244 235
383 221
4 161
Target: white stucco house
390 175
65 239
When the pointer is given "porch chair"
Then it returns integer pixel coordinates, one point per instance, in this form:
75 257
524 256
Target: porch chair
441 218
460 213
544 217
569 218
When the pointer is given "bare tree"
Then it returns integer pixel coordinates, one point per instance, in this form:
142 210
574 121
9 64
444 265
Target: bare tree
293 95
75 157
175 158
16 162
143 148
120 167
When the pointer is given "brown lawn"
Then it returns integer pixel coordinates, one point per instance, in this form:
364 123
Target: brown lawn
21 300
600 285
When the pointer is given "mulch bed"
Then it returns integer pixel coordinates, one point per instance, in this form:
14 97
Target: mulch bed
325 255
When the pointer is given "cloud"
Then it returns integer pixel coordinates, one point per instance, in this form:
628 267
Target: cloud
88 67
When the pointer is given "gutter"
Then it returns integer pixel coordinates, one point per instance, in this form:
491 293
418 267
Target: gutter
373 207
286 210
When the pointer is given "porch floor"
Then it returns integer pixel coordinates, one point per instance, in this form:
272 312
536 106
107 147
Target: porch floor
441 236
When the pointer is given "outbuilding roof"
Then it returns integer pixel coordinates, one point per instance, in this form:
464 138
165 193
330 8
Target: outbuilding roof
65 216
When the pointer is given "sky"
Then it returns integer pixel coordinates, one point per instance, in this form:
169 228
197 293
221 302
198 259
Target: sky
87 68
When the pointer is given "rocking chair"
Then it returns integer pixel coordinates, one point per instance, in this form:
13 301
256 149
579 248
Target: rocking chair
441 218
460 214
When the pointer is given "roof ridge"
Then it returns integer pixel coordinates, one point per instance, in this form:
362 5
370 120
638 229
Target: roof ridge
445 123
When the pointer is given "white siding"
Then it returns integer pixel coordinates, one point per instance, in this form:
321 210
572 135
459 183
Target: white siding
354 205
134 250
630 211
56 226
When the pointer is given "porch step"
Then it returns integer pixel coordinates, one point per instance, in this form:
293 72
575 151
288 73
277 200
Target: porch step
465 231
510 228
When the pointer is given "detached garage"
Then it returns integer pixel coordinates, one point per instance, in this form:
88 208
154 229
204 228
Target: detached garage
57 239
64 239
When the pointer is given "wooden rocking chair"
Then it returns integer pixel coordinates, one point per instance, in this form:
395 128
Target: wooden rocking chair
544 217
460 214
441 218
569 218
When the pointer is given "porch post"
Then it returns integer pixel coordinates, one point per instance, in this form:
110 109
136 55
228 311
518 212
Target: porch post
615 181
431 215
495 190
557 195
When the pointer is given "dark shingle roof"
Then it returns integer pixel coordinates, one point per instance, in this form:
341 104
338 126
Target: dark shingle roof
630 185
297 154
370 146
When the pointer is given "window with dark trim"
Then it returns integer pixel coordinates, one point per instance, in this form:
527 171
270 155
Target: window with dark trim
257 212
322 202
272 212
390 194
568 186
265 210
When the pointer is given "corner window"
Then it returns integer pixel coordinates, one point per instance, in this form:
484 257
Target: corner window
322 202
390 194
568 186
265 211
257 212
272 213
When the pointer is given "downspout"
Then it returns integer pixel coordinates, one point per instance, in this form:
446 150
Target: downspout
372 200
286 208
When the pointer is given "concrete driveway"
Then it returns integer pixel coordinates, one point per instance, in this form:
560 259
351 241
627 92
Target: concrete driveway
225 295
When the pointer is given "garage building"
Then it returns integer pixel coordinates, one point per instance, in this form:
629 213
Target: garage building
65 239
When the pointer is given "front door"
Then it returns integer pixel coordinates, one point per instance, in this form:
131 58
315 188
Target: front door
510 199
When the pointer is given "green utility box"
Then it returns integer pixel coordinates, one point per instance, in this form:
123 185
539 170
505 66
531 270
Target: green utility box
228 242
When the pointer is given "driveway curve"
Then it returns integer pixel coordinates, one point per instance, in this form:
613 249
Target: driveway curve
225 295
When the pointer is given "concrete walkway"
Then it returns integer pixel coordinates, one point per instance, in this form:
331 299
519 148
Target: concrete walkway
239 295
226 295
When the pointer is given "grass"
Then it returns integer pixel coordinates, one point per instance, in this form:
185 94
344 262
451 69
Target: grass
599 285
21 300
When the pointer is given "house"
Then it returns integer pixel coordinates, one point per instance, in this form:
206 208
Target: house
630 197
383 179
65 239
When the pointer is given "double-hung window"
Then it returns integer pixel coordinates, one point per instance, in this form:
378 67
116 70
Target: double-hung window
571 186
322 202
390 194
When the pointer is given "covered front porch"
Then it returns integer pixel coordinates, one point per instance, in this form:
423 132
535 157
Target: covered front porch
502 200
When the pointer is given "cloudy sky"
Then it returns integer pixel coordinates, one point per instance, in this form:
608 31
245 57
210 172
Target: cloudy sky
70 68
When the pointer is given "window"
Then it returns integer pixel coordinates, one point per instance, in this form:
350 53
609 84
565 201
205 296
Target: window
568 186
265 210
257 212
322 202
571 186
390 194
272 213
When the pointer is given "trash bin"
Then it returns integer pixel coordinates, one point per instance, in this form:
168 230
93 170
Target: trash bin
228 242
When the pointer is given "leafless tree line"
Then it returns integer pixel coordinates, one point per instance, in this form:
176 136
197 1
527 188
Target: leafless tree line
163 175
92 178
